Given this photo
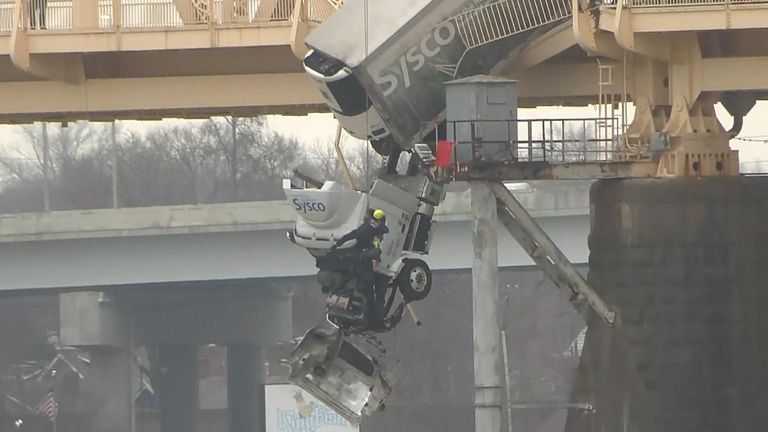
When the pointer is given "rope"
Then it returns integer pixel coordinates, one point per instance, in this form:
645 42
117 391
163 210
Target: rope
758 139
365 101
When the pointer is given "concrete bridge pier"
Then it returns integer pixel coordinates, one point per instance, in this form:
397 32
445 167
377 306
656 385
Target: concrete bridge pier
176 372
485 310
173 321
683 260
245 316
246 376
98 325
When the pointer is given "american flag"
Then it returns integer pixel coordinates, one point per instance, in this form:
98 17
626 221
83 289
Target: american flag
48 406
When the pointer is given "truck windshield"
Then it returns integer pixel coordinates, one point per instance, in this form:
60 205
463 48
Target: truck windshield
350 95
347 91
403 57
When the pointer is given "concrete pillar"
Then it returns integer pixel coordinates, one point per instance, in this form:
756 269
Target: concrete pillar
109 390
178 388
485 311
245 388
683 260
97 323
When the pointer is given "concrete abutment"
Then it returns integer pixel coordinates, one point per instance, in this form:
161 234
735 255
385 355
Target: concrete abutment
683 261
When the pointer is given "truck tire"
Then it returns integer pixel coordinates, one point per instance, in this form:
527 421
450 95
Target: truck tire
415 280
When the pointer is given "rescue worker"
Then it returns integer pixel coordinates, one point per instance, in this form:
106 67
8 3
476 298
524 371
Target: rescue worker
380 282
366 232
383 221
369 236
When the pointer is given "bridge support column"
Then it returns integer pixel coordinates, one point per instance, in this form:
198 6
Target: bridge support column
96 323
245 388
683 260
110 388
485 311
177 373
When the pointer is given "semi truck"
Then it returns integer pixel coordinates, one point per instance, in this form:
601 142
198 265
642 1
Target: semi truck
381 65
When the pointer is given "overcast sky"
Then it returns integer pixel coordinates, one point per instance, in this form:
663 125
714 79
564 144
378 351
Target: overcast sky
322 127
310 128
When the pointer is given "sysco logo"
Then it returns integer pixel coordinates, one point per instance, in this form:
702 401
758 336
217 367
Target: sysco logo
308 206
415 58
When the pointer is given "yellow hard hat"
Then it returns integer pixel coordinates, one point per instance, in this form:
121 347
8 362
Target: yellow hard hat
378 214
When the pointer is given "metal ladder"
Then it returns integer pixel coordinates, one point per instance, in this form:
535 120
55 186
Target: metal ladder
606 111
547 256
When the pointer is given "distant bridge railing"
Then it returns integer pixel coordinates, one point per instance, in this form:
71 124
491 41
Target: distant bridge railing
167 13
683 3
6 15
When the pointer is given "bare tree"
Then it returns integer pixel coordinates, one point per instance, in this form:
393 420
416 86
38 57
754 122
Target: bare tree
223 159
364 163
570 142
236 138
67 160
321 161
200 161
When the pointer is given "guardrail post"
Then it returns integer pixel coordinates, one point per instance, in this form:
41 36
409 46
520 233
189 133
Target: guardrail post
211 22
117 17
19 52
299 29
20 16
530 142
228 11
475 146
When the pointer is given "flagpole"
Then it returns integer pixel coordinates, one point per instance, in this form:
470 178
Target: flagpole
55 420
49 408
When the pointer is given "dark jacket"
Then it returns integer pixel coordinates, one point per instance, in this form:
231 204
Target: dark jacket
364 234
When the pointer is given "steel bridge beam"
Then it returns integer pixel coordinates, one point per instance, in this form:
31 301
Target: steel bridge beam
152 98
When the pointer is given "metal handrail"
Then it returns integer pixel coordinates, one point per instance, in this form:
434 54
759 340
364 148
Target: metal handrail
6 15
563 140
641 4
168 13
504 18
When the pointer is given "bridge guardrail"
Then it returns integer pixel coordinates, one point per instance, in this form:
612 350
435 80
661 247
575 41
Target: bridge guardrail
169 13
683 3
535 140
6 15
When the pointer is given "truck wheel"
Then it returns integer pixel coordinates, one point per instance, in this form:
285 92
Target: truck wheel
415 280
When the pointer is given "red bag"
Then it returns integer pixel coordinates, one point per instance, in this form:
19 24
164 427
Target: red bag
444 154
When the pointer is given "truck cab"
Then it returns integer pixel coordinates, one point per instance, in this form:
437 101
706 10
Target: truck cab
324 215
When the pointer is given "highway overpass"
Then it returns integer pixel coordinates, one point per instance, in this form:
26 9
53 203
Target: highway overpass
92 249
176 278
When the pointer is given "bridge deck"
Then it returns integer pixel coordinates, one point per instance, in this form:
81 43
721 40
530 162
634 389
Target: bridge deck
138 59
